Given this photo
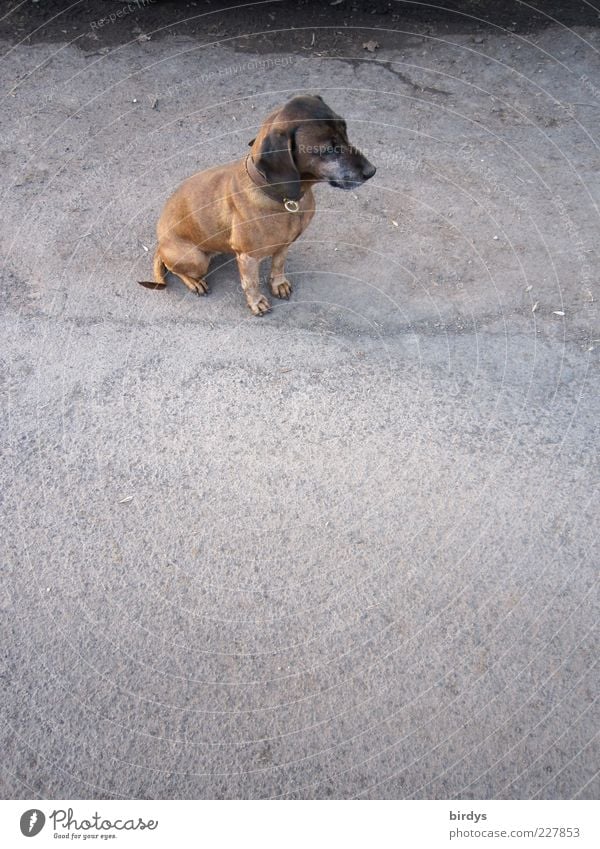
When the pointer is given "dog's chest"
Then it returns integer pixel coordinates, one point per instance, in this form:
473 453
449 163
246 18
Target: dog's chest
264 234
297 222
294 223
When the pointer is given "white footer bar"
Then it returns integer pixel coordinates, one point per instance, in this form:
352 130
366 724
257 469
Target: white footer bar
301 824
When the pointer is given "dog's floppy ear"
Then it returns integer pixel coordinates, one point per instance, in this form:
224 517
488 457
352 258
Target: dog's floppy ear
275 159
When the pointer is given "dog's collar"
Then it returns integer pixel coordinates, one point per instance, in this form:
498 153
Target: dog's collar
262 183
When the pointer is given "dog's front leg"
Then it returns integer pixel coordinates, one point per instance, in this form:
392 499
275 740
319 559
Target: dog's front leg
280 285
249 274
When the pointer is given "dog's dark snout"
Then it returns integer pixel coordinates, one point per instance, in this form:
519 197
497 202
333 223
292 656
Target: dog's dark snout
368 170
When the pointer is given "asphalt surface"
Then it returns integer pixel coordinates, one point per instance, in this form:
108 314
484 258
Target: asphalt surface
349 549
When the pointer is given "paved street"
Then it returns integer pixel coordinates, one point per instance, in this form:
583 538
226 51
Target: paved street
349 549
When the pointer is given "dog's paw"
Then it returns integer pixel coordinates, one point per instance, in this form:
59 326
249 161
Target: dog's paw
259 305
282 290
201 287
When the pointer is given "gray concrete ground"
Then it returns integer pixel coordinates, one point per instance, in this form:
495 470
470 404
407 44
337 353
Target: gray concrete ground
346 550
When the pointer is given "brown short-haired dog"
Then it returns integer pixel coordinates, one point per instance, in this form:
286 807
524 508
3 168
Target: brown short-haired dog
257 206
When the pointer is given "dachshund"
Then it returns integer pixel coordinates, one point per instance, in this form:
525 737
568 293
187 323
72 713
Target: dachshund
257 206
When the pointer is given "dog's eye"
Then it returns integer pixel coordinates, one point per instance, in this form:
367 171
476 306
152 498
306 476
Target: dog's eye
329 150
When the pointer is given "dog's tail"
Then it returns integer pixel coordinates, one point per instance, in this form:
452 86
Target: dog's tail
159 281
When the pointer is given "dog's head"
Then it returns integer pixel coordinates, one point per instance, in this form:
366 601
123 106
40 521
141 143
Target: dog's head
305 141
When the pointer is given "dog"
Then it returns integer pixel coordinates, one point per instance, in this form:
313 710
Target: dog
257 206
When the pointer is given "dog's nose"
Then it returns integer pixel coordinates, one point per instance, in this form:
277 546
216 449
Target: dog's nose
368 171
